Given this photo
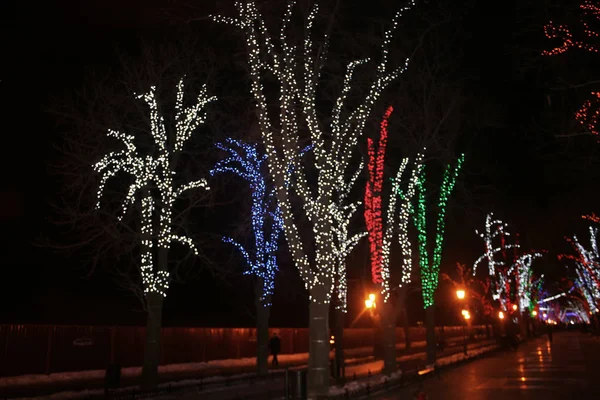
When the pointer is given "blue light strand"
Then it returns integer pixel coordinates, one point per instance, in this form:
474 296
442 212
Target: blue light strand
246 161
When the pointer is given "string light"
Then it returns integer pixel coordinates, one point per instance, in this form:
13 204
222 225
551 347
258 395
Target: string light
154 174
525 283
430 268
373 203
587 260
584 115
380 236
406 209
245 161
332 150
493 229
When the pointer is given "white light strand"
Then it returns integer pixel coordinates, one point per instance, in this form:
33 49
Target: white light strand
406 197
525 276
342 214
493 228
155 171
331 154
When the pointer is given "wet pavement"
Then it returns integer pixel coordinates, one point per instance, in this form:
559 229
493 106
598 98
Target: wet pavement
567 368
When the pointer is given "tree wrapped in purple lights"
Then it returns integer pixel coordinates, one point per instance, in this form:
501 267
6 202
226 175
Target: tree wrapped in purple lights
246 161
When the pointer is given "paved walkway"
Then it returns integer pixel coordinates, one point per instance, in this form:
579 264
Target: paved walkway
565 369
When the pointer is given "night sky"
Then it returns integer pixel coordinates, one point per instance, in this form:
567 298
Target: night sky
519 164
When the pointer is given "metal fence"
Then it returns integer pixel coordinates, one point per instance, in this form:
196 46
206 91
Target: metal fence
44 349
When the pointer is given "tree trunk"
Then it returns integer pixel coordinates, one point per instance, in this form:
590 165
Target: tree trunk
338 332
404 315
318 350
263 312
152 350
388 328
430 334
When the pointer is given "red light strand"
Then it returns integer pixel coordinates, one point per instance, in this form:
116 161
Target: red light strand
585 115
373 202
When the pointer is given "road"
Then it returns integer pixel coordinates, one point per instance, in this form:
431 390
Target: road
565 369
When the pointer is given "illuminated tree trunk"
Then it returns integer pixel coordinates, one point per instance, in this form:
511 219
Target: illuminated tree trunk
263 313
430 334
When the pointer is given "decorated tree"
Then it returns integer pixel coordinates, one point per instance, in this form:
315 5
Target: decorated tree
381 228
430 266
275 58
499 267
589 112
587 268
154 192
344 242
246 161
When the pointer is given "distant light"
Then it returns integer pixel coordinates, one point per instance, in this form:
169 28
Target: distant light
369 303
534 313
514 307
460 294
372 297
501 315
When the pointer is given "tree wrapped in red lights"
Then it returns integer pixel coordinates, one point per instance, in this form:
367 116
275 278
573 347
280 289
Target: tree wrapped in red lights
381 228
373 203
589 112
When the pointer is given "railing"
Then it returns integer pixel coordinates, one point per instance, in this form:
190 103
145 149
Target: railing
45 349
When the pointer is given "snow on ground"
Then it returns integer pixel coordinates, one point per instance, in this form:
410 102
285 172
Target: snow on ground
203 368
216 367
375 367
292 360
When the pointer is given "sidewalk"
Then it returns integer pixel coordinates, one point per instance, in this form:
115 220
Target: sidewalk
357 376
88 384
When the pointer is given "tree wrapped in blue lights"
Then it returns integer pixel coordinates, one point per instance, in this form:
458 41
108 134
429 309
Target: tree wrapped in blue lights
246 161
430 267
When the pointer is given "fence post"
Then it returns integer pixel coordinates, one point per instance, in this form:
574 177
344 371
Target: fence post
49 348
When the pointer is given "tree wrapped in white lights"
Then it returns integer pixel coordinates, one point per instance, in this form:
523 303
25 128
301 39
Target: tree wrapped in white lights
587 267
495 230
246 161
297 72
525 281
155 192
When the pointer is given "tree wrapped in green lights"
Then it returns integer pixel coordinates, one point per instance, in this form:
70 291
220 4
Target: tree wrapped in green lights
430 266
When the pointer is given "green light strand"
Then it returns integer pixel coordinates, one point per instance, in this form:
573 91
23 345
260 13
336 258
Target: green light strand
430 270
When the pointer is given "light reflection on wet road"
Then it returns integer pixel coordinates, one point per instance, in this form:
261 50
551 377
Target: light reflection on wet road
566 369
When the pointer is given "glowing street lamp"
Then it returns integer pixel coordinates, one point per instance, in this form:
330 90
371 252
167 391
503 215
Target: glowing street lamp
370 302
460 294
501 315
534 313
466 314
514 307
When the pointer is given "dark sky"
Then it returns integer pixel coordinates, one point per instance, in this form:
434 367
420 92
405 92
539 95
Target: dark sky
540 184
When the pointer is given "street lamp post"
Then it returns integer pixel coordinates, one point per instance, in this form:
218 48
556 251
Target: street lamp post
467 316
460 295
